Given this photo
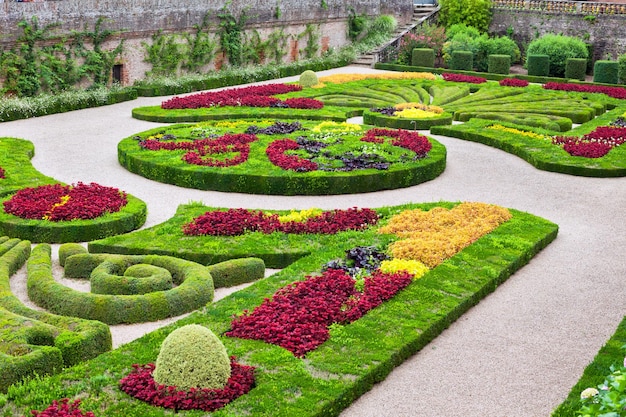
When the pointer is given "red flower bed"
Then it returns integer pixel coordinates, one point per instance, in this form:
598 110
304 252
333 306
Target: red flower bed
64 202
141 385
276 154
298 315
2 174
254 96
463 78
236 222
62 409
513 82
199 149
615 92
406 139
595 144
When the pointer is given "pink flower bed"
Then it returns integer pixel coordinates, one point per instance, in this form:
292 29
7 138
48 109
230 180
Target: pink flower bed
200 151
64 202
254 96
62 409
276 154
513 82
595 144
406 139
463 78
141 385
615 92
2 174
298 315
236 222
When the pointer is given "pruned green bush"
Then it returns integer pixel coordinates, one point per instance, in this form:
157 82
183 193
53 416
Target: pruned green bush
499 64
136 279
380 120
558 48
68 249
308 79
621 60
192 357
575 68
237 271
606 72
462 60
423 57
538 65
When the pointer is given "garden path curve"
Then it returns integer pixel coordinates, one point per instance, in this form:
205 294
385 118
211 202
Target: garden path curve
517 353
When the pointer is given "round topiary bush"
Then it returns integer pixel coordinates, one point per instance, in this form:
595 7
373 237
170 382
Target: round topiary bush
308 79
558 48
192 357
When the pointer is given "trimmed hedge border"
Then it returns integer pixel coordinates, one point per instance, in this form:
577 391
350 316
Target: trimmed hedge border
356 357
39 342
132 216
378 119
15 159
195 289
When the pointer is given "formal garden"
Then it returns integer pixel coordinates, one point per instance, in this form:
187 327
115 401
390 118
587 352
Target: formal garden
358 291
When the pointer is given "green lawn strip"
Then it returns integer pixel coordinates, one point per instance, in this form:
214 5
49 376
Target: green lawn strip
612 353
330 378
542 154
15 156
259 176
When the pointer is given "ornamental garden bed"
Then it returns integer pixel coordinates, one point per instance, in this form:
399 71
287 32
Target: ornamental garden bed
466 262
271 157
16 170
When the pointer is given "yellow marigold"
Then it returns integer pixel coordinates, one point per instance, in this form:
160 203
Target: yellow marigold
298 216
519 132
435 235
336 127
420 106
415 268
415 114
344 78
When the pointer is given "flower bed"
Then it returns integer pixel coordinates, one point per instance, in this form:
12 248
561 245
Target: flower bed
254 96
595 144
615 92
461 78
513 82
63 408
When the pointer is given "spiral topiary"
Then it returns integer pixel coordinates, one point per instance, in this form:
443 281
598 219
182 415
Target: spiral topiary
192 357
308 79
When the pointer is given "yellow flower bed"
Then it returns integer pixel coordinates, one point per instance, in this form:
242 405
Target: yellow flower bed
415 268
336 127
299 216
415 114
519 132
234 124
419 106
345 78
435 235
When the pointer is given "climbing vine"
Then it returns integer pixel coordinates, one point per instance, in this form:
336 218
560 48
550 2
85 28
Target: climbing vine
277 45
231 35
312 35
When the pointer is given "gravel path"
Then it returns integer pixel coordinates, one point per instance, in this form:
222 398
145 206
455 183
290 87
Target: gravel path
517 353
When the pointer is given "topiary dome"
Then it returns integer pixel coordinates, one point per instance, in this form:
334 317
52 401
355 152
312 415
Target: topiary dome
308 79
192 356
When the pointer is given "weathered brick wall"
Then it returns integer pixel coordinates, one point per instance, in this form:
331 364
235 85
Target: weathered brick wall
607 32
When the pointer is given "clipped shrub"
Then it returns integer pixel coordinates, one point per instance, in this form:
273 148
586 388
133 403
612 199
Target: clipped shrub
237 271
68 249
481 45
423 57
462 60
192 357
575 68
136 279
558 48
425 36
308 79
621 61
606 72
499 64
538 65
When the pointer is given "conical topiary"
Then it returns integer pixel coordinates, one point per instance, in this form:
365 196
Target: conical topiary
192 357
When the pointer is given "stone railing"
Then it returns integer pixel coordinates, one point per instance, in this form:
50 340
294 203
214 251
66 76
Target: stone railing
389 51
558 6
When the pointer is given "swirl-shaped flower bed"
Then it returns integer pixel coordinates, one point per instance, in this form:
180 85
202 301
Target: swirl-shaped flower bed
306 158
413 117
59 213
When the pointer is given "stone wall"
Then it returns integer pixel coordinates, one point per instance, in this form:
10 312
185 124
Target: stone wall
606 32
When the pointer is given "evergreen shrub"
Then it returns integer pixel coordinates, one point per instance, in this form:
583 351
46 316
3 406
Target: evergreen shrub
538 65
575 68
621 61
606 72
423 57
499 64
558 48
462 60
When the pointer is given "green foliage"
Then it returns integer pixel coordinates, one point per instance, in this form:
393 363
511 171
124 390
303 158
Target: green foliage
15 156
164 54
312 35
68 249
458 28
237 271
606 72
230 33
466 38
425 36
499 64
558 48
308 79
423 57
136 279
538 65
609 399
357 23
575 68
377 119
475 13
192 357
462 60
277 45
621 60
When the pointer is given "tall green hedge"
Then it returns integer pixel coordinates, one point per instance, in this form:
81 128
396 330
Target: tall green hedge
462 60
606 72
423 57
576 68
499 64
538 65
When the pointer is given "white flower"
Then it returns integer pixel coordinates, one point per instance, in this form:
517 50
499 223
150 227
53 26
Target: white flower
588 393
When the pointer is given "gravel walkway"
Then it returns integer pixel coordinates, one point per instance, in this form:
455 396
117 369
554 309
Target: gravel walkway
517 353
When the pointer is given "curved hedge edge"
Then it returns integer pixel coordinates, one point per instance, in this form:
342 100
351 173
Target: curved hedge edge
312 183
41 343
15 159
110 278
195 289
237 271
132 216
596 372
532 154
380 120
